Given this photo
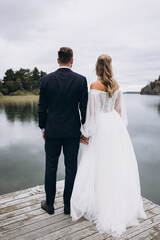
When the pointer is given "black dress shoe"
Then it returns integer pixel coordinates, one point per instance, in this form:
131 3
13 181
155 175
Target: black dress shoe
48 209
67 210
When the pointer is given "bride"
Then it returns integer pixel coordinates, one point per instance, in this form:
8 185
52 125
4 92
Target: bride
107 187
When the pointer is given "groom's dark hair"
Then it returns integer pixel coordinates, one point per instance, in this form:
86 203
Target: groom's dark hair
65 54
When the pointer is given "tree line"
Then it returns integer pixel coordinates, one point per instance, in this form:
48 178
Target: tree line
21 82
155 83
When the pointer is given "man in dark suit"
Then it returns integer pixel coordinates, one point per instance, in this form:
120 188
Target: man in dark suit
62 94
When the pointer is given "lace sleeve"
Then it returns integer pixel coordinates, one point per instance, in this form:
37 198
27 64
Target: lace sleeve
89 127
120 107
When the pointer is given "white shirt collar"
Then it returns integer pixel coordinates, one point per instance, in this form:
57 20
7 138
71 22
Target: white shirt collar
64 67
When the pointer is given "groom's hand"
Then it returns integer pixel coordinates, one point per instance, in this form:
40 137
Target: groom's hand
84 140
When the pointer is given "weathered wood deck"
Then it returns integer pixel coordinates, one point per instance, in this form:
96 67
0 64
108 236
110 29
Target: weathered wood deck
21 217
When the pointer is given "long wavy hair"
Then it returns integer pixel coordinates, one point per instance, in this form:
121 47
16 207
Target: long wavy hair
105 74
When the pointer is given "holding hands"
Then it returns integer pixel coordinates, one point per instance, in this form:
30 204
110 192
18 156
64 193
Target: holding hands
84 140
43 135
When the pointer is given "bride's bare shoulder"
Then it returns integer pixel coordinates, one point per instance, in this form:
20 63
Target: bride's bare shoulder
94 85
116 85
97 85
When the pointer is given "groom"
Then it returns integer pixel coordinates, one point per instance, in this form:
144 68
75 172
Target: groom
62 94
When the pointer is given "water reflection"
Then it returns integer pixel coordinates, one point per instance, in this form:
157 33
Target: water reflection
25 112
156 107
144 129
151 102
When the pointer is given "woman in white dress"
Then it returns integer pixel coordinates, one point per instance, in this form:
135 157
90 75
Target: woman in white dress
107 187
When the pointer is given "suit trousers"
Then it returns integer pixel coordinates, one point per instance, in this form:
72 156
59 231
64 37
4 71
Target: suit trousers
53 148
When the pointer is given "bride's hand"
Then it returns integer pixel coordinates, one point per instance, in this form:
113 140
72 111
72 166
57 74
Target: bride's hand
43 136
84 140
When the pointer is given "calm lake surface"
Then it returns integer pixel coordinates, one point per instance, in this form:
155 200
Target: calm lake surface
22 159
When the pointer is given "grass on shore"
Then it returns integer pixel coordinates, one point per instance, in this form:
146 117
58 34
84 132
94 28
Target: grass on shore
19 99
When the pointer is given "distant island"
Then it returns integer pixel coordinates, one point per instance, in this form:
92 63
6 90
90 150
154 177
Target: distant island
153 88
21 82
131 92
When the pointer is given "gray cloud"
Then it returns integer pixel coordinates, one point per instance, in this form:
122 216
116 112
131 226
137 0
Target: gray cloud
32 32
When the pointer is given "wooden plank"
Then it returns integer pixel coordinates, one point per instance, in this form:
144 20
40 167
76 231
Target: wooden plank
32 234
24 202
28 219
152 233
21 200
18 212
62 232
24 199
27 192
23 209
67 231
36 226
16 196
82 234
96 236
24 216
144 226
148 206
20 205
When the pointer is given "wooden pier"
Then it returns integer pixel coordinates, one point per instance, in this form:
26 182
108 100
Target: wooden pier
21 217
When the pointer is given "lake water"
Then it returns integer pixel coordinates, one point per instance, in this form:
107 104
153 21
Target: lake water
22 159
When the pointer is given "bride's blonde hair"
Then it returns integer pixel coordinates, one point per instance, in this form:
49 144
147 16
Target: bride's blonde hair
104 72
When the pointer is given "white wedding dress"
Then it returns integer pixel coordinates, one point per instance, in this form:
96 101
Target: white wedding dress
107 187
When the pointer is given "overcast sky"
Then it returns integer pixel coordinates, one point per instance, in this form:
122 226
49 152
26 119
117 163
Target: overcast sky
31 32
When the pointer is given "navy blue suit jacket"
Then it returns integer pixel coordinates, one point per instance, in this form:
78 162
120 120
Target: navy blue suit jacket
62 103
